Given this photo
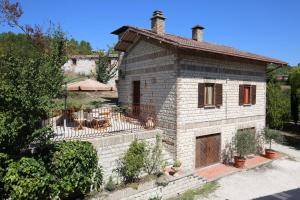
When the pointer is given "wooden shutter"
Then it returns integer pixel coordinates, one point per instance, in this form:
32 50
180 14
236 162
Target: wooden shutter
253 94
201 95
219 94
241 95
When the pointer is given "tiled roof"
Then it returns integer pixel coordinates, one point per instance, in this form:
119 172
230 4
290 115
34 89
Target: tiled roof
187 43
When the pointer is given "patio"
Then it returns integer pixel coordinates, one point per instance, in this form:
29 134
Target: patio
104 121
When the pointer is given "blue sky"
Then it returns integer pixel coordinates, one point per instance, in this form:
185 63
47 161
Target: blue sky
267 27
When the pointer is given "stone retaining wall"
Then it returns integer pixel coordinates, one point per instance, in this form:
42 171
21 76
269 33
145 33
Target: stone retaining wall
175 187
111 148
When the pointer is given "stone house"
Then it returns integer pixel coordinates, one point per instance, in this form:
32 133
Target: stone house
86 64
203 93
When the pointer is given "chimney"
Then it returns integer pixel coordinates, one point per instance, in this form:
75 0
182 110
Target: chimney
197 33
158 22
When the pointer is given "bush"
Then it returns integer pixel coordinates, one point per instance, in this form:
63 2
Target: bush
131 165
75 166
176 163
74 104
153 160
4 162
278 106
244 143
272 135
27 179
110 185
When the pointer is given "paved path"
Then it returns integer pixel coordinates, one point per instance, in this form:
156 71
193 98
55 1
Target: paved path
277 180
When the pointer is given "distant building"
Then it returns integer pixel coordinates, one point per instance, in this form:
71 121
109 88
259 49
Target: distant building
86 64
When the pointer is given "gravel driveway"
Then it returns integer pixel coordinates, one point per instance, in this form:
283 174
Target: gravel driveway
276 177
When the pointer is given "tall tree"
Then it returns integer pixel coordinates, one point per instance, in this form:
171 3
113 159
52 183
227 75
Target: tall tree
105 68
85 48
28 83
294 79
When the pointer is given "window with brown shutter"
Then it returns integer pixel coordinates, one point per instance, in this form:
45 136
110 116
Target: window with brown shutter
253 94
200 95
210 95
247 94
219 94
241 95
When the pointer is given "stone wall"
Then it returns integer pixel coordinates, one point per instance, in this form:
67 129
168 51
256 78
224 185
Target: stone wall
111 148
226 119
153 66
169 80
175 186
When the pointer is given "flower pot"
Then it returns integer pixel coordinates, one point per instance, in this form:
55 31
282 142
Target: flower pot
239 162
176 169
149 123
271 154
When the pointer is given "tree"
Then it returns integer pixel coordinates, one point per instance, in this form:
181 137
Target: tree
105 69
85 48
278 106
28 83
294 79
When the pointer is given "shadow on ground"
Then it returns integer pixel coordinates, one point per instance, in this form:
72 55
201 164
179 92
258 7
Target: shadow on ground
291 134
286 195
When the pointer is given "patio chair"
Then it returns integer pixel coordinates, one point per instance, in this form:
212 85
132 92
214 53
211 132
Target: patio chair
79 120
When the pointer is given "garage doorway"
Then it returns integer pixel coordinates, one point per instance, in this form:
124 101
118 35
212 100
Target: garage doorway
208 149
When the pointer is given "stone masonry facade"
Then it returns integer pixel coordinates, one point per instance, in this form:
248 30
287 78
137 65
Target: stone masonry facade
169 81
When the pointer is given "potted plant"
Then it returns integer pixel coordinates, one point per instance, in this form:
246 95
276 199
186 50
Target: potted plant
176 166
149 123
244 144
270 136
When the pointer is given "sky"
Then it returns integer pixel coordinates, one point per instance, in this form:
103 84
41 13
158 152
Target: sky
266 27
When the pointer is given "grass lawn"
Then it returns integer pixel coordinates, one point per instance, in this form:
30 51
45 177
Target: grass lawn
203 191
88 99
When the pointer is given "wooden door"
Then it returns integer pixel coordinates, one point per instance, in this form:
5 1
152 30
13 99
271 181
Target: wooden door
207 150
136 98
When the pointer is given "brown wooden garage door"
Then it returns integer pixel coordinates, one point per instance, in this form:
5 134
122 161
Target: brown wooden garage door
208 150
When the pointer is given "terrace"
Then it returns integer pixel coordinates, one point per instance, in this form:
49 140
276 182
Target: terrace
104 121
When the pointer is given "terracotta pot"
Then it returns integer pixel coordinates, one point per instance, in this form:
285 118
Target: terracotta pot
271 154
239 162
149 123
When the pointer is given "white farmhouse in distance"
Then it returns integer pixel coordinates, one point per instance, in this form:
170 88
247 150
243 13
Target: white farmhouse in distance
86 64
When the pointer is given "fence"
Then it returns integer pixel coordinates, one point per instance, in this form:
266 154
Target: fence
77 123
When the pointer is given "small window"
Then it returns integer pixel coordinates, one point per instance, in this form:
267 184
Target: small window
209 95
247 95
74 61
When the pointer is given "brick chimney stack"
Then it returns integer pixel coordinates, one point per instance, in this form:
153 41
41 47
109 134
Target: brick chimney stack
197 33
158 22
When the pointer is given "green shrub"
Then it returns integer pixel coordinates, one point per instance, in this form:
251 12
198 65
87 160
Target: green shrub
97 104
278 106
74 104
132 163
153 159
244 143
27 179
75 166
110 185
4 162
176 163
272 135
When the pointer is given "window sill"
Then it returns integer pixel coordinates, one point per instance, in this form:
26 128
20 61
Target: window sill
247 105
211 107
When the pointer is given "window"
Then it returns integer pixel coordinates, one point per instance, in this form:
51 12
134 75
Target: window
74 61
209 95
247 95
